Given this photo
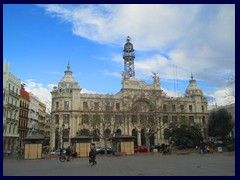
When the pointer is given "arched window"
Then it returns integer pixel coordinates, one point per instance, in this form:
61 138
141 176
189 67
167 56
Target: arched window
9 129
84 132
85 119
66 135
166 133
107 133
13 129
96 135
118 132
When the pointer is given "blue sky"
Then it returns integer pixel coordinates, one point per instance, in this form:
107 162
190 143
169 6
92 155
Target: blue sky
171 40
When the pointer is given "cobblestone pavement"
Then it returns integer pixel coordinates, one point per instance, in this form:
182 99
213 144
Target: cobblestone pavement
146 164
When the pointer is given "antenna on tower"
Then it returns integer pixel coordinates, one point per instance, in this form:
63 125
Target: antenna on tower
174 83
177 80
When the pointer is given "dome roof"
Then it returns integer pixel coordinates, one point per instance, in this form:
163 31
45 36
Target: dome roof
68 78
193 89
128 47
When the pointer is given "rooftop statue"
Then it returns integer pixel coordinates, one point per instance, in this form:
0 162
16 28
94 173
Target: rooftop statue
156 79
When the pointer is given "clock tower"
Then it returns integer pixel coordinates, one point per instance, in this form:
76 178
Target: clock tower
128 56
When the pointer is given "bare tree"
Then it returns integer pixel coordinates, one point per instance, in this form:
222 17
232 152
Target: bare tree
146 114
103 119
231 85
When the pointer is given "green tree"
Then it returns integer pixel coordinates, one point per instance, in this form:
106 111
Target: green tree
220 124
185 134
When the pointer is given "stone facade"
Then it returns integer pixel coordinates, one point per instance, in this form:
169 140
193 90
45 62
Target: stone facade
47 129
23 115
33 115
11 99
139 109
41 117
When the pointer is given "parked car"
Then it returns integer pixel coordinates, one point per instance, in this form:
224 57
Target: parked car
109 150
158 147
99 150
7 152
57 152
140 149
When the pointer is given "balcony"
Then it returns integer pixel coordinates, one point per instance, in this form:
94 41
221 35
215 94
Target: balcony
11 107
12 93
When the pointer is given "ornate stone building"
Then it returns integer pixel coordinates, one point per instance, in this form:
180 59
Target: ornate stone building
41 118
23 115
33 116
139 109
47 129
11 96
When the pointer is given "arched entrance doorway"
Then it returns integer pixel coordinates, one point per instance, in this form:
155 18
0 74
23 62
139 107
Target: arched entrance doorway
134 133
118 132
143 138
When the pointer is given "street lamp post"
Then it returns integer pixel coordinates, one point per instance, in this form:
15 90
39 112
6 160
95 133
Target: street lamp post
69 136
64 134
57 139
63 126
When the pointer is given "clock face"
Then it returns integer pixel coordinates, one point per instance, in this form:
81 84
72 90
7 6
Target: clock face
141 84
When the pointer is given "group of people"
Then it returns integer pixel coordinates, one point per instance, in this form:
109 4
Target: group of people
166 150
204 148
69 153
92 155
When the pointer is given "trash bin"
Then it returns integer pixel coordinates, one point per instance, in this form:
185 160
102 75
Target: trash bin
219 149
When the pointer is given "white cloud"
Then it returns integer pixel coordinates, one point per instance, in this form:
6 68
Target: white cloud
83 91
50 86
171 93
194 38
107 73
197 37
39 91
43 94
221 98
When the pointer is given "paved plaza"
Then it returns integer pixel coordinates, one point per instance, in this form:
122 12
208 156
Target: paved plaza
149 164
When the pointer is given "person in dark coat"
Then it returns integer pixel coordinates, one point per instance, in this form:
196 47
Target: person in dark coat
68 153
74 154
61 151
92 156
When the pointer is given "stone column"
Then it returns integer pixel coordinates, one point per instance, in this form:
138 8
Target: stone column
52 136
75 125
155 139
139 143
71 125
128 129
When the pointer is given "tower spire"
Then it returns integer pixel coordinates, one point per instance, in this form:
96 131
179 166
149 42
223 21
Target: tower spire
191 76
128 56
68 67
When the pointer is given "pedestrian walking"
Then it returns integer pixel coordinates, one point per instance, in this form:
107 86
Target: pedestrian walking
202 148
20 154
92 156
68 153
